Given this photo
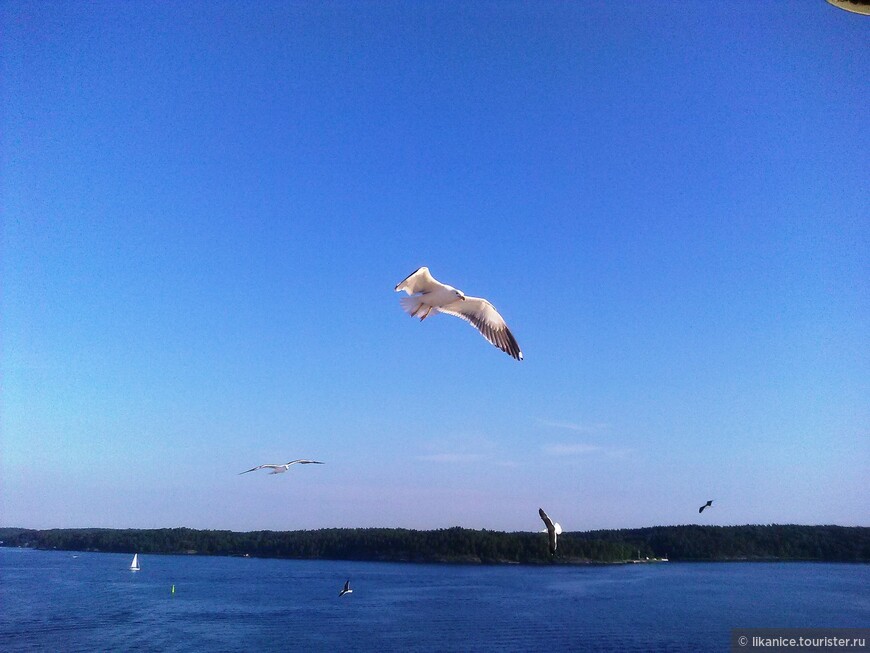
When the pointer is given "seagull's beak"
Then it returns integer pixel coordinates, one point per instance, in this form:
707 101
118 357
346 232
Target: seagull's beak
462 297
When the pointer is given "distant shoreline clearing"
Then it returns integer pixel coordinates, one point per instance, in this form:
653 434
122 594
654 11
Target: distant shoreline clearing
468 546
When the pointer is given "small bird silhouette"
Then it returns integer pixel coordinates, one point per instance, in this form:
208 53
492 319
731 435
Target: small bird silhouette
346 589
706 505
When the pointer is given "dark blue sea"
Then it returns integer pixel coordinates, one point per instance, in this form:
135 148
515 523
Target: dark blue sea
63 601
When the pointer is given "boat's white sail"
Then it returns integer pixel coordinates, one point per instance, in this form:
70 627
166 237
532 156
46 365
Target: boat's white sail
134 566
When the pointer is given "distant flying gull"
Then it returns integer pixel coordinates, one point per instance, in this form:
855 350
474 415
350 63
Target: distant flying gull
553 529
345 590
280 469
429 297
706 505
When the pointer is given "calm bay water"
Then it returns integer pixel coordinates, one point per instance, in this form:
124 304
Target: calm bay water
51 600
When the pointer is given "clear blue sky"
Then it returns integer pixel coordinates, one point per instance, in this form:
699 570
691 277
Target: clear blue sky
206 207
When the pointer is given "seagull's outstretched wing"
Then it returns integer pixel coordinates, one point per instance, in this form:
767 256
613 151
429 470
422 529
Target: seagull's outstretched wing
254 469
855 6
547 521
302 461
483 317
419 281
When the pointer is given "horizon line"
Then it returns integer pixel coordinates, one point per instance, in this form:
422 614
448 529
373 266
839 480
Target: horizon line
422 530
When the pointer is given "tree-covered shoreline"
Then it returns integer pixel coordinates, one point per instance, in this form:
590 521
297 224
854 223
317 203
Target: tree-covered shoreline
462 545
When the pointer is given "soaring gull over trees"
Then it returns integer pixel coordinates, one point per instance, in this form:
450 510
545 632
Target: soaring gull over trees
553 529
429 296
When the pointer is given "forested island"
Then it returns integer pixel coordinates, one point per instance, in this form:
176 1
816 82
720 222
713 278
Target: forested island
462 545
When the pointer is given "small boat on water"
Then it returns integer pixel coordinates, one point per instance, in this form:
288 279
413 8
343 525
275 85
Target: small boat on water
134 566
638 560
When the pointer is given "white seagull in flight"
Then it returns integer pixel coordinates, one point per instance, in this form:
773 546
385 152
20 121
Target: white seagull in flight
280 469
553 529
345 590
429 296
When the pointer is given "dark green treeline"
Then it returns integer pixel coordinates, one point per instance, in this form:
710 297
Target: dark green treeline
829 543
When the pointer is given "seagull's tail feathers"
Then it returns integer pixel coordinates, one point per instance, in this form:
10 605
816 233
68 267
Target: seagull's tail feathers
414 307
410 305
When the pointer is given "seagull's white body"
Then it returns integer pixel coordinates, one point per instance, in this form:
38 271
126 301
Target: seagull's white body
553 529
429 296
280 469
345 590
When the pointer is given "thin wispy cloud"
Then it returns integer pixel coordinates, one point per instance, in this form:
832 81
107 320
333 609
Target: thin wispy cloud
462 448
571 449
451 458
597 427
582 449
464 458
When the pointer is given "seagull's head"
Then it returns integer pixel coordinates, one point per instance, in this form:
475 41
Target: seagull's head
459 294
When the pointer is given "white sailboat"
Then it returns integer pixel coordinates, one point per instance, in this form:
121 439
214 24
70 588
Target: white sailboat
134 566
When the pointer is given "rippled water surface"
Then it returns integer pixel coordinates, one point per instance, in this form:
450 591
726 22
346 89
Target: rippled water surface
53 600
